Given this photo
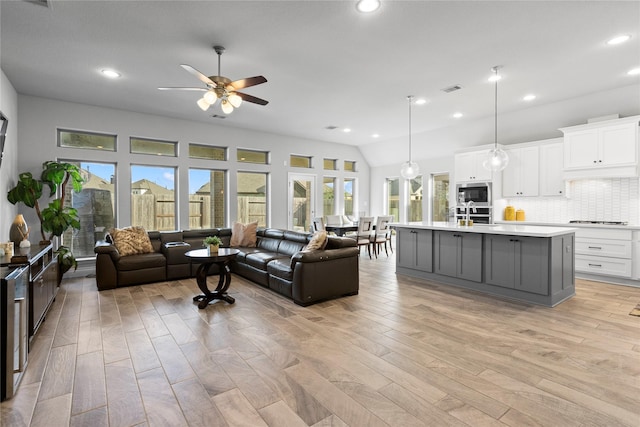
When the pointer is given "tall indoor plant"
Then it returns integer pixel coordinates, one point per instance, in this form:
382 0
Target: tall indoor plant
56 218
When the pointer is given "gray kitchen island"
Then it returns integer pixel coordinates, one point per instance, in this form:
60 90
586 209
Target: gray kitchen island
533 264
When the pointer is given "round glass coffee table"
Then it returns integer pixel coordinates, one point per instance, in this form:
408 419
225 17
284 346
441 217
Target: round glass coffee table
222 258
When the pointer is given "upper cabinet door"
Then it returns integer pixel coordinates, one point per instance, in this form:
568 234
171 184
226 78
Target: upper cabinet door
520 178
619 144
468 167
551 180
581 149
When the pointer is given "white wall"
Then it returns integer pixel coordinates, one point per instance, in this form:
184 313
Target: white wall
40 117
9 167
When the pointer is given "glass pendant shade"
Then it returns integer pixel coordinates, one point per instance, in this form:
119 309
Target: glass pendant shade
409 170
496 160
226 106
235 100
203 104
210 97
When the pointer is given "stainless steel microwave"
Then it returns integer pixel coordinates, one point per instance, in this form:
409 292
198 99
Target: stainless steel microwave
478 192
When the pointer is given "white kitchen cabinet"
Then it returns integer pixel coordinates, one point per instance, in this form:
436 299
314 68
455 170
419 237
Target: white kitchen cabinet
468 167
604 252
551 170
520 178
608 148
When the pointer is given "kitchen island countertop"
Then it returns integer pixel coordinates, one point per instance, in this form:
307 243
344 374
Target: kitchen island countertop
505 229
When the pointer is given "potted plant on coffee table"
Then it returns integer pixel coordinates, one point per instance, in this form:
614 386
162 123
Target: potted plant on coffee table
213 243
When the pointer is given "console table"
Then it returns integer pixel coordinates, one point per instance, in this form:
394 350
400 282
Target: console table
43 280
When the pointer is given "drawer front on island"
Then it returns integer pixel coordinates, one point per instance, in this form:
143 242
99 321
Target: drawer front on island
414 249
458 254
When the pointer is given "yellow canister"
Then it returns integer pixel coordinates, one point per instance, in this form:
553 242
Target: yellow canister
519 215
509 213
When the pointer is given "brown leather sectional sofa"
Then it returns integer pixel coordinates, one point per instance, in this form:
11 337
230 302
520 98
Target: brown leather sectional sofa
276 263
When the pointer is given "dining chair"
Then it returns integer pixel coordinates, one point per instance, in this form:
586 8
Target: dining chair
380 234
364 236
317 224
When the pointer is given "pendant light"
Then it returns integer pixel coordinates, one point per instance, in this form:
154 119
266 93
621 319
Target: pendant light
409 169
496 159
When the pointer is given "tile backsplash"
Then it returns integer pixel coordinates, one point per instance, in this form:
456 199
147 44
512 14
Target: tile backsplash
604 199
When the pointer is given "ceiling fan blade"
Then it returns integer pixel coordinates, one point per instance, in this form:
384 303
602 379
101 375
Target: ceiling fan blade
251 98
204 79
248 82
183 88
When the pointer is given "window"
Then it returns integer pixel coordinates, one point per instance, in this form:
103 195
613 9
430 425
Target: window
95 205
349 166
252 198
440 194
155 147
152 197
252 156
206 198
300 161
87 140
330 164
393 198
415 199
328 195
349 196
208 152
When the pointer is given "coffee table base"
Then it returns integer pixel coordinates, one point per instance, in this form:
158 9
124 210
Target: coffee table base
220 293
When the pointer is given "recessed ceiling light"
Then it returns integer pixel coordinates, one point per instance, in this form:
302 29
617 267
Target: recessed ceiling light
111 73
529 97
346 130
375 135
619 39
457 115
634 72
367 6
421 101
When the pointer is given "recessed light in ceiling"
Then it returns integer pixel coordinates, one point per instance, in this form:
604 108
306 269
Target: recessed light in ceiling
346 130
112 74
634 72
619 39
457 115
375 135
529 97
421 101
367 6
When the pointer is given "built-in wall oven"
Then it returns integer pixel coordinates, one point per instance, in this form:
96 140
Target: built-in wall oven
480 194
14 335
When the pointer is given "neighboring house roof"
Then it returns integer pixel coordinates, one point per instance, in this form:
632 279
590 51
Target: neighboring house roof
150 187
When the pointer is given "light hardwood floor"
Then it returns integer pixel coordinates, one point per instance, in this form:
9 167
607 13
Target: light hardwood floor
403 352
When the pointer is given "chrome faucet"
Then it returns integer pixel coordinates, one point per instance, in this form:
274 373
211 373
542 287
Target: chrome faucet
468 206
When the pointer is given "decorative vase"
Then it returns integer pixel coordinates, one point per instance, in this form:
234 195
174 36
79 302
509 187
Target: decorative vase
213 249
19 230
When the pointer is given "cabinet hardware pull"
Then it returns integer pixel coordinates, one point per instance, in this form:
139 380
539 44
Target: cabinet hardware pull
595 247
595 265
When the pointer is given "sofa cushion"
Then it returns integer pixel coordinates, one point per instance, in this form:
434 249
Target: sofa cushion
317 242
141 261
171 236
244 234
260 260
131 240
281 267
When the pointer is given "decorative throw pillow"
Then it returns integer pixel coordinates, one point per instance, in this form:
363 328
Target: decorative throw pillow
318 241
244 235
131 240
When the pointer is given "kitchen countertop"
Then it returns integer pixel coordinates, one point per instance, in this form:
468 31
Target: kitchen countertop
506 229
555 224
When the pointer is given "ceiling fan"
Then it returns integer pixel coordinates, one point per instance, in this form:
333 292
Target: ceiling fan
220 87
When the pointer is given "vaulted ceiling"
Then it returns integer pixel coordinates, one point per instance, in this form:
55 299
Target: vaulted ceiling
326 64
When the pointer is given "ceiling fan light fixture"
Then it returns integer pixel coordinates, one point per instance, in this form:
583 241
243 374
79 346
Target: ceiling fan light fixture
226 106
235 100
203 104
210 97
